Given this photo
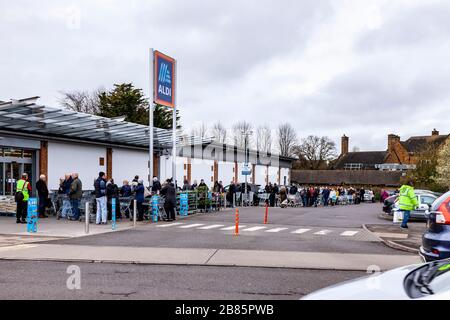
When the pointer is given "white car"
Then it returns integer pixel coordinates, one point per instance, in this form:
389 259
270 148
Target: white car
369 196
422 281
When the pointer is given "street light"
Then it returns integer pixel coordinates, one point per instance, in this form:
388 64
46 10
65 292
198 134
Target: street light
246 133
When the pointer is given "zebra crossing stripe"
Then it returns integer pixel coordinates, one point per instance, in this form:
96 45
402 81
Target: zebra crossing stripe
254 229
169 225
192 225
231 228
212 227
276 230
300 231
323 232
349 233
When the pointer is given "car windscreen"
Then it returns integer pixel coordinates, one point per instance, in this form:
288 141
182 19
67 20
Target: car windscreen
430 279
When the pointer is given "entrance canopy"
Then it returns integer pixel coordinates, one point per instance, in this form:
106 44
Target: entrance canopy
25 116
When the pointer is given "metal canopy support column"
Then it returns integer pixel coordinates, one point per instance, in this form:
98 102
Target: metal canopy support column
174 129
150 118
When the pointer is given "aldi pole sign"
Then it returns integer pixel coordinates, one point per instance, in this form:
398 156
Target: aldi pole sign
164 80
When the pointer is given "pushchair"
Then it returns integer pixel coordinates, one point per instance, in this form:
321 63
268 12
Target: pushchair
293 200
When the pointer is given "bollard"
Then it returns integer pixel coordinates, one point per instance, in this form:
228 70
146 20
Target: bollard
86 215
134 212
236 231
266 216
113 213
234 200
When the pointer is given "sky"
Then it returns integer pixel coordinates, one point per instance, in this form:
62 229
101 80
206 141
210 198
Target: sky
360 68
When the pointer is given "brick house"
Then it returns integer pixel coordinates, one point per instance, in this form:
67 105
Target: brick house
400 155
372 168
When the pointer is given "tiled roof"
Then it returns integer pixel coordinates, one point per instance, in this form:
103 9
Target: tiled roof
417 144
367 158
348 177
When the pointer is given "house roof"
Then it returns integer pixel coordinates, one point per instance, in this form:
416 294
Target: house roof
367 158
419 143
348 177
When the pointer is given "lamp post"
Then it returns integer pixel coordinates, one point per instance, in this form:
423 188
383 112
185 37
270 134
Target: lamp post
246 157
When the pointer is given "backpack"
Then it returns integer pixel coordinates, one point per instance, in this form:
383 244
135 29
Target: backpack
18 197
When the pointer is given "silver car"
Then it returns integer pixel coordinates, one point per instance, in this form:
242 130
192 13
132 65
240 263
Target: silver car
425 201
422 281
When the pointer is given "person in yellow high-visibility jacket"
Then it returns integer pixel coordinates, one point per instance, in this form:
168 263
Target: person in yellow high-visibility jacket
24 187
407 202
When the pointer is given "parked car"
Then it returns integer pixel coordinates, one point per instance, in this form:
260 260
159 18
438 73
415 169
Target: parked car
425 202
436 239
429 281
369 196
389 203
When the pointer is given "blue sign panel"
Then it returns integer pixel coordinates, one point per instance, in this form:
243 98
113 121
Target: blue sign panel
164 80
32 215
184 204
113 212
155 208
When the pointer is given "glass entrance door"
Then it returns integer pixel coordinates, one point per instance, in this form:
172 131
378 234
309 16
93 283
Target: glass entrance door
13 171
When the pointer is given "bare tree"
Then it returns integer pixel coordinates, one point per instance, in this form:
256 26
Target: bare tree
287 139
264 139
81 101
219 132
240 131
200 130
316 151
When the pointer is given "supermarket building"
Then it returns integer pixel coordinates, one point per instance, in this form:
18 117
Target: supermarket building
38 140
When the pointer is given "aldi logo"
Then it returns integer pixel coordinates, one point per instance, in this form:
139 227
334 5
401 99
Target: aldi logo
164 74
164 80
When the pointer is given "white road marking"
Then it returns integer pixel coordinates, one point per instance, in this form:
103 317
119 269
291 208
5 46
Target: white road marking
232 228
254 229
349 233
300 231
192 225
276 230
323 232
169 225
211 227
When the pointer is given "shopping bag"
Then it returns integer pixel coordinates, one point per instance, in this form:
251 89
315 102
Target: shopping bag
398 216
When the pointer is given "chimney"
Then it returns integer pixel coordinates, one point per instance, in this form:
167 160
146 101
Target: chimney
392 139
435 132
344 144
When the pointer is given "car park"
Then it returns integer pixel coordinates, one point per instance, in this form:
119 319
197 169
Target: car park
436 239
428 281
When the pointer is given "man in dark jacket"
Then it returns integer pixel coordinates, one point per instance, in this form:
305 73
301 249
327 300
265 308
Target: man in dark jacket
42 190
171 200
156 188
67 184
112 192
231 193
75 194
202 183
100 198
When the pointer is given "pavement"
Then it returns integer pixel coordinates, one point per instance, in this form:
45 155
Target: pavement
408 240
12 233
205 257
